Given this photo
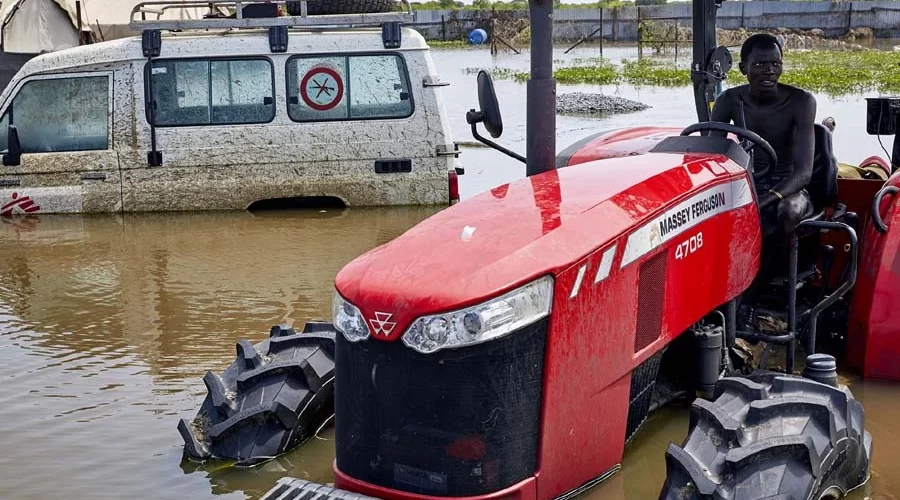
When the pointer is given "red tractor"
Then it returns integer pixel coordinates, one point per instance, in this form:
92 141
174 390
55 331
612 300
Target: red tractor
511 345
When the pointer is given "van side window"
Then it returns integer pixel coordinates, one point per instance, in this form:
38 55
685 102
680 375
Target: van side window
213 92
348 87
60 114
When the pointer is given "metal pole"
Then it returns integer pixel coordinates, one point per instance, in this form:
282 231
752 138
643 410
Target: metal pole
601 32
540 137
443 29
704 27
78 13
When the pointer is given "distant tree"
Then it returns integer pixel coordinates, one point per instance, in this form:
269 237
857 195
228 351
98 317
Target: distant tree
482 4
649 2
447 4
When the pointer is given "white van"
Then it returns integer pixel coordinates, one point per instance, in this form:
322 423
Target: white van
348 115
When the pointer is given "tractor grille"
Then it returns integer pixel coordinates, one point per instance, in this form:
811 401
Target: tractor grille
459 422
643 381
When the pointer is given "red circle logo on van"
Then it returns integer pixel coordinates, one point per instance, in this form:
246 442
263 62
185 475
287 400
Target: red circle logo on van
322 88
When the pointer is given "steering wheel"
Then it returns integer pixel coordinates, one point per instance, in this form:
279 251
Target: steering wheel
754 139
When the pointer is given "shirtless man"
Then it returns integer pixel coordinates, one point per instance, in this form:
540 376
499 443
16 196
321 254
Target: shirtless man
784 116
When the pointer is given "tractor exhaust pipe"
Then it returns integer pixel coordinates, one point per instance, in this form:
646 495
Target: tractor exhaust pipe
540 135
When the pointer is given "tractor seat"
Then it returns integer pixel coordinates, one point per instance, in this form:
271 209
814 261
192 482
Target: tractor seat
823 186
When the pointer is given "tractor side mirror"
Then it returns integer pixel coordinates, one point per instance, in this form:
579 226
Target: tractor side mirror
13 155
490 109
489 115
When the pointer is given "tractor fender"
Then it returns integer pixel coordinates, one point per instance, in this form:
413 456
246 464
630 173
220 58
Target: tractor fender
874 331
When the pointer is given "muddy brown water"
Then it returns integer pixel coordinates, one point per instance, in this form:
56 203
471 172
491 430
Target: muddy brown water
108 323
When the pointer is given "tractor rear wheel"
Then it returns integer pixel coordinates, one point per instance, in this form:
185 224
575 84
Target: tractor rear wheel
771 435
274 396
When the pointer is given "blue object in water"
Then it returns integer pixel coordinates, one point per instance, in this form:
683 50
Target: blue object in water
477 36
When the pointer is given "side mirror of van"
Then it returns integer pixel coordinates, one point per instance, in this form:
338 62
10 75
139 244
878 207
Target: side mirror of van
13 155
489 114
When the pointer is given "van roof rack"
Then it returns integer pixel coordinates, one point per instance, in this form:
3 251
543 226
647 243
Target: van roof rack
259 14
141 13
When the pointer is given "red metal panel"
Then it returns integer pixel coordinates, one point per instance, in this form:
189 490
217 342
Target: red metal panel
525 490
625 142
591 226
874 332
509 236
590 349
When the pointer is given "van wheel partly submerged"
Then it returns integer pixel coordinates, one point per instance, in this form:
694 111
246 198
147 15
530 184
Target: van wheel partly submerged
771 436
274 396
320 7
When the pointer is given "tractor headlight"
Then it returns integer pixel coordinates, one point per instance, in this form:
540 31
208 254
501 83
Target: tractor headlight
348 319
487 321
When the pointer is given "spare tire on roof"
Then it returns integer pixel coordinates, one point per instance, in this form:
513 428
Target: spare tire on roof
321 7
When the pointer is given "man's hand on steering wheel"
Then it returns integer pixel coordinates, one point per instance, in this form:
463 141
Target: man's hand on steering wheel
754 139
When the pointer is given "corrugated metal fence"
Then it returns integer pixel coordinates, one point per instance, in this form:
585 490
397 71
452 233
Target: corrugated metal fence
621 23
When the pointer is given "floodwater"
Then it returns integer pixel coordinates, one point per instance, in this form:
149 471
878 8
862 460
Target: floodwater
108 323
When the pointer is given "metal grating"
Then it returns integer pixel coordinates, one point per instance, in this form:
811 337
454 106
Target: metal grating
458 422
643 381
651 294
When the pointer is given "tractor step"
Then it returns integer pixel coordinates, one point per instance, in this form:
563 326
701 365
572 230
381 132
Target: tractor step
289 488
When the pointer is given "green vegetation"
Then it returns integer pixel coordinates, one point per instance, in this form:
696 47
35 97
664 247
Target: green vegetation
838 72
833 73
451 44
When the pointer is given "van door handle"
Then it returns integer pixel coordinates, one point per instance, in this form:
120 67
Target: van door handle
93 176
430 81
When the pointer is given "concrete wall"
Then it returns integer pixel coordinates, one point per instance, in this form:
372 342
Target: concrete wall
620 24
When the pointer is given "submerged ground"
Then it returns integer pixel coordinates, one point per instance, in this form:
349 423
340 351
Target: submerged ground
108 323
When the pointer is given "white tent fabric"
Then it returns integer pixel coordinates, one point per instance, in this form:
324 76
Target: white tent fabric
32 26
109 18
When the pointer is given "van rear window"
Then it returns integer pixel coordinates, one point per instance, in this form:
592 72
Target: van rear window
348 87
213 92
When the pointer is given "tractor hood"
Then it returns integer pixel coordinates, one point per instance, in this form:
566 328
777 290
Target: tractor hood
515 233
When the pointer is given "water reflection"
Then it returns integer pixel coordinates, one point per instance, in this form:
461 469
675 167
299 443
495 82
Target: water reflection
108 322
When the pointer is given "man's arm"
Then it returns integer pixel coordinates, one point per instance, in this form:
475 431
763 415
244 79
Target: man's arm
723 111
804 148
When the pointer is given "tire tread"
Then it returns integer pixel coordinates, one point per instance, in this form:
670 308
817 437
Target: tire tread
770 436
264 405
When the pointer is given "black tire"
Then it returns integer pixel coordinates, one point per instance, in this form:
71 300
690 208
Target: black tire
274 396
771 436
324 7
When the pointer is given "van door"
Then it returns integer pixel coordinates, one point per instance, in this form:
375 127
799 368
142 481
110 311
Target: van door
68 163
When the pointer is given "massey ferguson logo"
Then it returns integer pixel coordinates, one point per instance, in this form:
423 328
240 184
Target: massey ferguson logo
24 203
381 325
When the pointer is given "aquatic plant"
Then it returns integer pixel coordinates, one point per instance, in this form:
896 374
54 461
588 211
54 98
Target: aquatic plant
829 72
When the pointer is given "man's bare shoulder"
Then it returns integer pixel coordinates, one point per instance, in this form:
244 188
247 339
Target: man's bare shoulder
798 95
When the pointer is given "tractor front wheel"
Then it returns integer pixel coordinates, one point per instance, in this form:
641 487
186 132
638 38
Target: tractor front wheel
274 396
771 435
